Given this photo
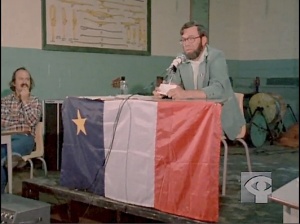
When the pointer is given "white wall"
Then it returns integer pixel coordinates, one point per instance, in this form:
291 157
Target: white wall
255 29
167 18
243 29
21 24
224 23
272 33
22 27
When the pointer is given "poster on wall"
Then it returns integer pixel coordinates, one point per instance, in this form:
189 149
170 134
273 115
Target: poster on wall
106 26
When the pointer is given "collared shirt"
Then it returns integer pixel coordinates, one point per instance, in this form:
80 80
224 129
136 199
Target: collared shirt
195 66
17 116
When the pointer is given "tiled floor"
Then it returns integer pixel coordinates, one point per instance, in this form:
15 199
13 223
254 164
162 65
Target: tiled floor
283 163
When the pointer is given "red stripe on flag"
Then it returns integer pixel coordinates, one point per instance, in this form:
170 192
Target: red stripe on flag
187 159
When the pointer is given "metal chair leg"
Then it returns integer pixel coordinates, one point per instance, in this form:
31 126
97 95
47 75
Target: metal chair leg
31 168
247 153
224 167
44 165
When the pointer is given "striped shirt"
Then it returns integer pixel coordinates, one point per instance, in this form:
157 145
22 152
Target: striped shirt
17 116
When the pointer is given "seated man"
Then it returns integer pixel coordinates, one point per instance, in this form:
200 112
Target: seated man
20 112
205 76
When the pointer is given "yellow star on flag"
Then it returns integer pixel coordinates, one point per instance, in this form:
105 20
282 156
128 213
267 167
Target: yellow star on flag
80 123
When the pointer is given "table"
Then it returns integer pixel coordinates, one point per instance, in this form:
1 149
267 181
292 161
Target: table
150 153
288 196
6 139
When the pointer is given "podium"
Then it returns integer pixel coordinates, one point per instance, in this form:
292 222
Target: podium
53 133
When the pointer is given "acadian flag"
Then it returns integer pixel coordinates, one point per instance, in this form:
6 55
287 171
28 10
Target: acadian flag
163 155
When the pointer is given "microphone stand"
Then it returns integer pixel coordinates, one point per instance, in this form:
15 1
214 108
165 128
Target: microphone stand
169 76
168 79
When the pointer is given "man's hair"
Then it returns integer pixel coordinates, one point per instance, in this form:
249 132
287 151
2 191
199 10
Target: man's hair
13 79
201 29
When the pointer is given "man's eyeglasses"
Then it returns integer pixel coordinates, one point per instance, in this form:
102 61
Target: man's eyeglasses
189 40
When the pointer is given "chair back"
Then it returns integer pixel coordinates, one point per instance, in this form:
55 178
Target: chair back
240 99
39 138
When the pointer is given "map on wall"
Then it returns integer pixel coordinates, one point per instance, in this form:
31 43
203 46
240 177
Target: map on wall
108 26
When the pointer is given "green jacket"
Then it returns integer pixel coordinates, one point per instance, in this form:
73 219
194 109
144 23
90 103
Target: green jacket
217 86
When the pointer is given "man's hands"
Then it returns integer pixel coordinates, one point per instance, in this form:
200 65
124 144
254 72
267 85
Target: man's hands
179 94
24 94
176 93
156 93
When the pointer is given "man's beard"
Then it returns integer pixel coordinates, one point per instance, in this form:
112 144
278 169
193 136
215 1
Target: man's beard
195 54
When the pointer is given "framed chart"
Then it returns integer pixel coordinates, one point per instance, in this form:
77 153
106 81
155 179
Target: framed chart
106 26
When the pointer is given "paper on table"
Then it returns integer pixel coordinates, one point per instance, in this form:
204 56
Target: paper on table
164 88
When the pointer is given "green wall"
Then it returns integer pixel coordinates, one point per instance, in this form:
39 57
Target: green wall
61 74
200 12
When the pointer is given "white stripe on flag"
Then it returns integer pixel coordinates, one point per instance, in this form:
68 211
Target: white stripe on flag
129 173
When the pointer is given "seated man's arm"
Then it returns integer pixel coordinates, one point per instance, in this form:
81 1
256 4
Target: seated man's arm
5 112
32 111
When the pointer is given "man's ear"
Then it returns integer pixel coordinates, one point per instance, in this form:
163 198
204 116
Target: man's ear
204 40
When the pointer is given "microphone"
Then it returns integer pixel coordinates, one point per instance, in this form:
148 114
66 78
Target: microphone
176 62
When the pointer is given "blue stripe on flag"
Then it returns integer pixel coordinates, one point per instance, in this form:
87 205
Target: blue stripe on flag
83 147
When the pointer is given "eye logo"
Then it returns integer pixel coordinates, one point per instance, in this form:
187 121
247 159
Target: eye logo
261 187
256 187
